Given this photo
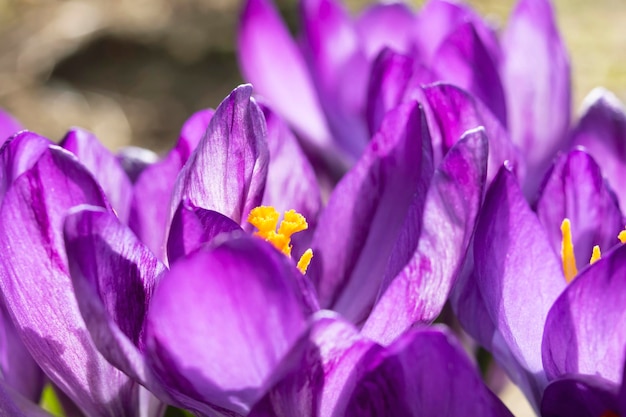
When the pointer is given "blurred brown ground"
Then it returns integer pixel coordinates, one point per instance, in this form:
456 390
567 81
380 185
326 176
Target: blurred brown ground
133 70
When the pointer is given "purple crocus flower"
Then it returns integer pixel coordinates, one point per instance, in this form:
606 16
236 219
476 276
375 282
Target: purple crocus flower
330 65
253 346
78 283
584 343
37 289
19 371
516 280
350 72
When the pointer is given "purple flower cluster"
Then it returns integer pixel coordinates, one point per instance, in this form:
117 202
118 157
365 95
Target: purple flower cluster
133 282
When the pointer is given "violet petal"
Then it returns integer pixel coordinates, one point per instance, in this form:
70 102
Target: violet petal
243 310
417 291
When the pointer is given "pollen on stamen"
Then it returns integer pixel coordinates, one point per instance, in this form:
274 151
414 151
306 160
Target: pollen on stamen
265 219
622 236
567 251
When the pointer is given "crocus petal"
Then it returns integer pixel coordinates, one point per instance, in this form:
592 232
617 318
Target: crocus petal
391 73
113 275
192 227
19 370
243 309
19 154
291 181
105 168
536 78
134 160
8 126
38 291
261 27
192 132
439 18
463 60
579 396
12 404
385 25
426 372
602 131
587 322
320 383
340 70
359 226
227 171
152 192
576 190
519 278
425 270
456 112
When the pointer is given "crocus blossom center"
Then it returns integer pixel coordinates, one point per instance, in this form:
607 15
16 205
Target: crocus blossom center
568 257
265 219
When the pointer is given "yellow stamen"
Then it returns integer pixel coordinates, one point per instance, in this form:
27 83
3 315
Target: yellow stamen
567 251
622 236
265 219
595 255
305 260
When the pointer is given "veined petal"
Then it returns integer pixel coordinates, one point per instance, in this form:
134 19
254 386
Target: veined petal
421 272
227 171
602 131
536 77
424 373
588 322
456 111
153 189
579 396
38 291
575 189
113 275
17 155
263 41
291 181
105 168
361 223
463 60
192 227
244 309
519 278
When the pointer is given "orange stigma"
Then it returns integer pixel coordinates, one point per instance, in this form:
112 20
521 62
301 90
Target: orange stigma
265 219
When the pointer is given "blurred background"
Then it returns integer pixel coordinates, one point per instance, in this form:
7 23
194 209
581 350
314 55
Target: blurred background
133 70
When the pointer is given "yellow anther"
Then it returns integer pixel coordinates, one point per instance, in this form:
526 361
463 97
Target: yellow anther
305 260
622 236
293 222
595 255
265 218
567 251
